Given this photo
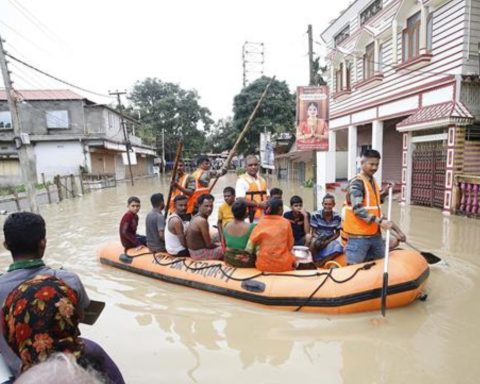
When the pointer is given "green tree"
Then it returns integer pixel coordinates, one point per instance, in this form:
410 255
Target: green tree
222 136
318 71
167 106
276 113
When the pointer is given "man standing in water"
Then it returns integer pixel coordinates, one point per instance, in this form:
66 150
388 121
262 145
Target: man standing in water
199 241
200 181
253 188
363 215
180 185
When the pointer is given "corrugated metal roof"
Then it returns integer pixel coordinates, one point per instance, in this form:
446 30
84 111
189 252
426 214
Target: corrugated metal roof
44 94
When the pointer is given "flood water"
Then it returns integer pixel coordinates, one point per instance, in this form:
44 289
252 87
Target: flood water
164 333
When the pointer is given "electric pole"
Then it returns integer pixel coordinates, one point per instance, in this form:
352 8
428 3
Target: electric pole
311 82
22 140
124 129
163 151
310 55
253 59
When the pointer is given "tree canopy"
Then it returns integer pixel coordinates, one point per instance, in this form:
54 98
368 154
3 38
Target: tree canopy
276 113
162 105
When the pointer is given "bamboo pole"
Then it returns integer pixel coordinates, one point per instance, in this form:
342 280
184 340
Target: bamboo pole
244 132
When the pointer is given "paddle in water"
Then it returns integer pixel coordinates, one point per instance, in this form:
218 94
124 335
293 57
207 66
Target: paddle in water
385 263
429 257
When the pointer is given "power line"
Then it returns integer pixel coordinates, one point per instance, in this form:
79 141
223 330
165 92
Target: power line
23 36
55 78
35 21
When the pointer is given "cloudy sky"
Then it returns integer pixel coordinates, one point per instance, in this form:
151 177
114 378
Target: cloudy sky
107 45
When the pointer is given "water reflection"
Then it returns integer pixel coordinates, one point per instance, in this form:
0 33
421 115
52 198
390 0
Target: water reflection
159 332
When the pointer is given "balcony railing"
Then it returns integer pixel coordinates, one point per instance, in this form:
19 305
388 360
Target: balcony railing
469 188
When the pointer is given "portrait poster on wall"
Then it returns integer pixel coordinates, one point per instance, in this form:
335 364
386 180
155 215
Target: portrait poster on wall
312 118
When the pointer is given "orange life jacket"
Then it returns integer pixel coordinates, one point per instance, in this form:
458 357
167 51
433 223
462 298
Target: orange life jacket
183 182
354 225
257 191
199 190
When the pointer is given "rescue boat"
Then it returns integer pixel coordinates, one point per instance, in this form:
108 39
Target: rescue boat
348 289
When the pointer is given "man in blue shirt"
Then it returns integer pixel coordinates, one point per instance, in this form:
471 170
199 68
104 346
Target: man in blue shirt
326 225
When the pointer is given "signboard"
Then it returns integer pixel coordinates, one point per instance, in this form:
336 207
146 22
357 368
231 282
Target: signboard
266 151
312 118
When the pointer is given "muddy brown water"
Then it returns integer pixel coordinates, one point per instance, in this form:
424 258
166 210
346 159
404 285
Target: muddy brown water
164 333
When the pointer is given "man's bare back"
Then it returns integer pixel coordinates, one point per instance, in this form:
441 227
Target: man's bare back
197 232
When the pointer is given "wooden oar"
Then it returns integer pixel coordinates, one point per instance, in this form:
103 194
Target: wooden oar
429 257
240 137
385 262
174 175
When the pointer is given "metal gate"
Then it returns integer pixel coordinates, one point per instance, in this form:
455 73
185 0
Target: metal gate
428 174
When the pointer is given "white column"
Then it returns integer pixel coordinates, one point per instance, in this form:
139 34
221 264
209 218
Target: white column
377 144
352 151
354 69
376 56
394 42
422 48
344 74
332 141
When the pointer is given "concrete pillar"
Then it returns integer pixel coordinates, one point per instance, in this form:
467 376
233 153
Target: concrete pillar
377 144
449 169
352 151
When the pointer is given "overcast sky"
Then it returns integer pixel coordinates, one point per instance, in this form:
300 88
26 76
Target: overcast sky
104 45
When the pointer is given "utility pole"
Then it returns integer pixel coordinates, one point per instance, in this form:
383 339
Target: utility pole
22 140
253 59
163 151
311 82
124 129
310 55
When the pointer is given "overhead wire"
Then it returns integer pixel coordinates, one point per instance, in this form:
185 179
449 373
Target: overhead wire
22 36
56 78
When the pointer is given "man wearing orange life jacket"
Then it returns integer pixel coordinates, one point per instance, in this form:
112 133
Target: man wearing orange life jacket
252 188
200 180
363 218
180 185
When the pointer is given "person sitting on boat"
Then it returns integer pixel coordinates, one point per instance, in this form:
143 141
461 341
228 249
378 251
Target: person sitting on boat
175 241
180 185
129 224
24 235
253 188
326 225
199 241
363 218
200 180
272 240
41 317
236 235
276 193
155 224
299 220
225 214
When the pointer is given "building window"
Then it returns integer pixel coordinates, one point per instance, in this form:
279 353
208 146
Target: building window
343 35
348 69
370 11
411 38
339 78
5 120
429 31
57 119
369 61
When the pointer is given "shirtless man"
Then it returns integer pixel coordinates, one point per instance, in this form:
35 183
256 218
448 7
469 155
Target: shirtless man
199 242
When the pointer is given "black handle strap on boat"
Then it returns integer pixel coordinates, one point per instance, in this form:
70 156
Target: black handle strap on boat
365 267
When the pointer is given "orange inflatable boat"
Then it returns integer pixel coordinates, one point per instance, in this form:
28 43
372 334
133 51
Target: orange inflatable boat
354 288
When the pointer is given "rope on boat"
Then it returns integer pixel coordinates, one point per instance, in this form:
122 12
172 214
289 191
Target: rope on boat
328 275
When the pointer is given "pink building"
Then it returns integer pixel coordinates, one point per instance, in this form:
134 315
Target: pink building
404 80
